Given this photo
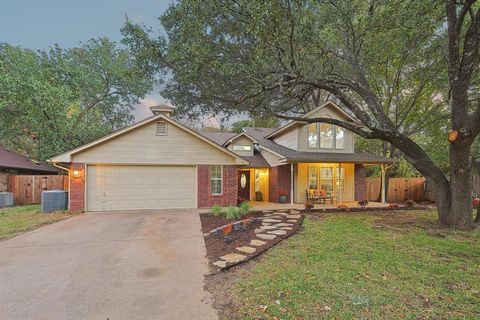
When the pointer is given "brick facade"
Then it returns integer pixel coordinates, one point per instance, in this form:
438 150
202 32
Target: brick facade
360 182
230 187
279 180
77 187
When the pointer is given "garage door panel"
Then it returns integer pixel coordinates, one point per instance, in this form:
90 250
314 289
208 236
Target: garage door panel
140 187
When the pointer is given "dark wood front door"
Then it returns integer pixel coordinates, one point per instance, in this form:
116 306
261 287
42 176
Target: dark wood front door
243 185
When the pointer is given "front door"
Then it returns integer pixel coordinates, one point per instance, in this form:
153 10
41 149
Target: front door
243 186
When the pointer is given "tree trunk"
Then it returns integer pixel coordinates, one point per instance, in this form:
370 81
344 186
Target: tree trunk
461 186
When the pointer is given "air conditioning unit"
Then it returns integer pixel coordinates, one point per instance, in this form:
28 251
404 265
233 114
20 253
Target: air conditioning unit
6 199
54 200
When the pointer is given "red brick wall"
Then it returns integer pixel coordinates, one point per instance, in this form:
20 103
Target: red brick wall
279 180
77 187
230 187
360 182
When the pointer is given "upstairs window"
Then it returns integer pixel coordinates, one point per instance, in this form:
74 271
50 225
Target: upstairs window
216 179
339 138
312 133
325 136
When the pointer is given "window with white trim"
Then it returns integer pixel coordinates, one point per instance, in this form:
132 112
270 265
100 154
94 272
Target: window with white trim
162 129
312 133
216 179
242 148
325 136
326 178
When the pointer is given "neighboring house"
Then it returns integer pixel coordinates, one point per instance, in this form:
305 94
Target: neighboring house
13 163
159 163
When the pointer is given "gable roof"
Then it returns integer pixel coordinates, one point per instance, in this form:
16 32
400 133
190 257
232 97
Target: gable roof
306 115
66 157
218 137
13 160
290 155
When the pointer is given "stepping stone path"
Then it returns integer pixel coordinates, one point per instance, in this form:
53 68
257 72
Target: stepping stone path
269 227
278 232
274 223
233 257
246 249
266 236
271 220
281 225
220 263
257 243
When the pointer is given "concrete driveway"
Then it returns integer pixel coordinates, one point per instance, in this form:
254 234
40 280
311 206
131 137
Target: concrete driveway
122 265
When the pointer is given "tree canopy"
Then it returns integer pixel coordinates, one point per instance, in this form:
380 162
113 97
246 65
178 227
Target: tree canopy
400 67
57 99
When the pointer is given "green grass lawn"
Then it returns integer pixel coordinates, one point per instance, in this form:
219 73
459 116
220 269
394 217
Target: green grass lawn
24 218
365 266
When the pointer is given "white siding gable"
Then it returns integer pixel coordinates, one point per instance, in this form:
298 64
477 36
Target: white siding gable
144 146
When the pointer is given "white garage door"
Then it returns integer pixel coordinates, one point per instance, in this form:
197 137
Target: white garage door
140 187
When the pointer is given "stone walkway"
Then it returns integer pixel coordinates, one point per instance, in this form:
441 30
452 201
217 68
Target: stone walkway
274 224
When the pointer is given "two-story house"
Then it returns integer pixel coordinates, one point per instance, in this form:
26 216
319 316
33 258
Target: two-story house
301 160
159 163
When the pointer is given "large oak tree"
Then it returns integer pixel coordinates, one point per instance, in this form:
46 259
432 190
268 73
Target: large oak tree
395 65
57 99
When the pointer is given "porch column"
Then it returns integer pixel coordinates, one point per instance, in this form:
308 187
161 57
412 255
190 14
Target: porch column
339 187
383 195
291 184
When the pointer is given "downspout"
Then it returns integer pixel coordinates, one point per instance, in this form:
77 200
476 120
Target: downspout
68 170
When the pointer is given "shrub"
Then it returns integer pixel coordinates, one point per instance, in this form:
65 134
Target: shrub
244 208
409 203
216 210
362 204
232 213
393 206
343 208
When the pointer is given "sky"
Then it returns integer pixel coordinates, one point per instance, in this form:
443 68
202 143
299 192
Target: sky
38 24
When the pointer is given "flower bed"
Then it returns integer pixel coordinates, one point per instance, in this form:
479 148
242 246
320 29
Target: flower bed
238 241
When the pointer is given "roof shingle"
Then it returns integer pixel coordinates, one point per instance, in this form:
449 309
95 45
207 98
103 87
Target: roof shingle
13 160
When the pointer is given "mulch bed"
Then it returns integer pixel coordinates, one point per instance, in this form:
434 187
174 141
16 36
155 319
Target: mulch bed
217 247
211 222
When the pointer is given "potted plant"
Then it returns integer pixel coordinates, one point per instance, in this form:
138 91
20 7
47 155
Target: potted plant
283 196
258 196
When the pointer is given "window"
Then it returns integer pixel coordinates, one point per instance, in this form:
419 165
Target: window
312 135
331 137
242 148
161 128
257 180
216 179
339 138
326 135
312 177
340 179
326 178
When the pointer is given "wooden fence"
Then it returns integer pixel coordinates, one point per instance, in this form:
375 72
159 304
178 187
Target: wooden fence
28 189
399 189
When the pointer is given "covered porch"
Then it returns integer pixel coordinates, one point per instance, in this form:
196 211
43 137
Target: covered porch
324 183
